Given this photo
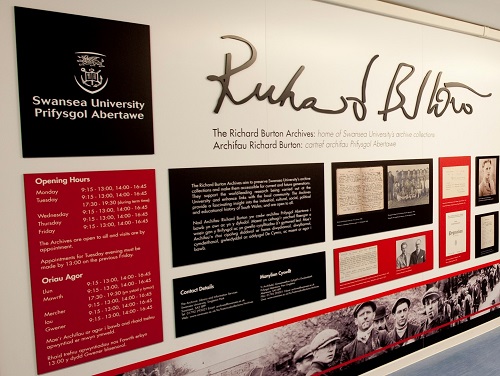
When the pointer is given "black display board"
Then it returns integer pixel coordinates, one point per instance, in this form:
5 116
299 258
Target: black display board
375 196
210 300
84 85
222 212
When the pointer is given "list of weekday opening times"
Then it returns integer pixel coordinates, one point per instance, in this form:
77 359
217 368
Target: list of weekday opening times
93 246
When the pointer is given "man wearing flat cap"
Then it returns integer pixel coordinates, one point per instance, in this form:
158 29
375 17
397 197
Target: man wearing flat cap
303 359
402 328
323 347
368 338
430 300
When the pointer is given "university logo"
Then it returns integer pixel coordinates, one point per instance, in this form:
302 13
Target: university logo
90 71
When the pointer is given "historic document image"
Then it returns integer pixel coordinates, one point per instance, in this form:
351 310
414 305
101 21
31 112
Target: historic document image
360 189
487 231
358 263
456 232
455 181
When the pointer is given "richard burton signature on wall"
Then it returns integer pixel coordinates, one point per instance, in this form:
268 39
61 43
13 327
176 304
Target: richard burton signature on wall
440 99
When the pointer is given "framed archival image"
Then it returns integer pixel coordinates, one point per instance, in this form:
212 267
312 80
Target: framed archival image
376 196
486 180
408 185
454 209
486 234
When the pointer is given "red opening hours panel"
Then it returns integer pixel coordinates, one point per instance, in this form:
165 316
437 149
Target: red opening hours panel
93 250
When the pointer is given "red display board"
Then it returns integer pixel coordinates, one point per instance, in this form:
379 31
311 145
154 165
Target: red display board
93 247
362 265
454 210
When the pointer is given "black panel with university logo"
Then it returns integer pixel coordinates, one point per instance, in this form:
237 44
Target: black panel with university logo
84 85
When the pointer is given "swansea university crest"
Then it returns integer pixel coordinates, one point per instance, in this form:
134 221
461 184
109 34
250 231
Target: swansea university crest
90 76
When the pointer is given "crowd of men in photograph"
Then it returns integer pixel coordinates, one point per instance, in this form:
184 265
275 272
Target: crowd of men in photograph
380 326
372 334
463 298
446 303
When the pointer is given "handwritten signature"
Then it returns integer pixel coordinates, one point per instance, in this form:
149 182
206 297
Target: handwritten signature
440 100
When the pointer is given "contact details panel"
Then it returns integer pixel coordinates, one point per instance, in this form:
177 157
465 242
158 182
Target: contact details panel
93 249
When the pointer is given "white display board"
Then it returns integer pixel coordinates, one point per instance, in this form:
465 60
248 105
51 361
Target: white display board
261 83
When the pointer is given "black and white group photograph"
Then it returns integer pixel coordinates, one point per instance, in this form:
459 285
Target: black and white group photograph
346 339
407 185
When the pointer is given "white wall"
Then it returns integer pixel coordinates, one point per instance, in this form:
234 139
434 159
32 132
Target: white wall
333 43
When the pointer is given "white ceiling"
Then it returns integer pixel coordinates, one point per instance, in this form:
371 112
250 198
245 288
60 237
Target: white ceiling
480 12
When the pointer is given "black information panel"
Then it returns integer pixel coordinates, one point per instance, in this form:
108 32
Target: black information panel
223 212
214 299
84 85
375 196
